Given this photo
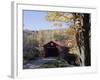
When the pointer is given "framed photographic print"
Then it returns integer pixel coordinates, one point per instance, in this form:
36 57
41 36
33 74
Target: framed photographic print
49 40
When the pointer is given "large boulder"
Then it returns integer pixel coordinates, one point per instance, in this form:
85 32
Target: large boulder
73 59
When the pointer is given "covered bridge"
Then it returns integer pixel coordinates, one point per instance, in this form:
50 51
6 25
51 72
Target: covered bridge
52 49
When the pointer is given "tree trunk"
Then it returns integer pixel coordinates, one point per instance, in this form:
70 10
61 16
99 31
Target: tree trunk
86 34
83 38
80 43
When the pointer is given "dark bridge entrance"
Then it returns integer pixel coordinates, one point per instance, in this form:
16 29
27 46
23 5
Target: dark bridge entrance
52 52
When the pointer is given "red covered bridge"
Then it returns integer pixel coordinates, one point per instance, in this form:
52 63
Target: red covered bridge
52 49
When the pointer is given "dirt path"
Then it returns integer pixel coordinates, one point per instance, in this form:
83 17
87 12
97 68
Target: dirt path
37 63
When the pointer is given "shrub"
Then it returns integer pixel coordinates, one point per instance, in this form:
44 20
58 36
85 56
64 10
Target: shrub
32 54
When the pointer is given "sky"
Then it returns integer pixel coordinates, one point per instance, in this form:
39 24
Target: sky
35 20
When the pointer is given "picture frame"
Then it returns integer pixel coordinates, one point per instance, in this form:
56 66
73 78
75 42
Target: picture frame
17 41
